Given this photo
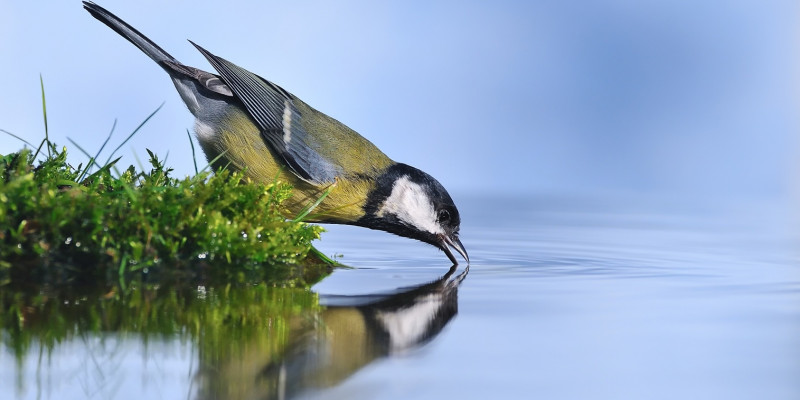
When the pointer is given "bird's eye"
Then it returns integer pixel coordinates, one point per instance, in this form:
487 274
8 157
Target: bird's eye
444 216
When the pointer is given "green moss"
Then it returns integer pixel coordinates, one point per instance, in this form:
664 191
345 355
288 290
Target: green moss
96 250
61 225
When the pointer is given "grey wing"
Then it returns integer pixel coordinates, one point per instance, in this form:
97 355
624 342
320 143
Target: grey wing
274 111
207 79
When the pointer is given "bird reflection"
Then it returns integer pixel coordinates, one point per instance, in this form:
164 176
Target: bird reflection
326 348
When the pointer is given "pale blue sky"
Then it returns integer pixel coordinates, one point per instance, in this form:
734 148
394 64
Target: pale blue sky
673 97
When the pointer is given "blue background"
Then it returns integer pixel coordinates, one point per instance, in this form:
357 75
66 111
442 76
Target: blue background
677 98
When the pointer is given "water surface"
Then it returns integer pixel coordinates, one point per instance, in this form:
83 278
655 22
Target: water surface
566 298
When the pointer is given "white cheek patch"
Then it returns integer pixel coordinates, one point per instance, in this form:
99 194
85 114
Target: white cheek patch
187 94
410 203
204 131
407 326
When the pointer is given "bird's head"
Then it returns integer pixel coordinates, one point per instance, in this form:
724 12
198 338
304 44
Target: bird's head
411 203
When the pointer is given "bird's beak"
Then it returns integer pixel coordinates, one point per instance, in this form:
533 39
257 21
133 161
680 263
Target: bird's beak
455 243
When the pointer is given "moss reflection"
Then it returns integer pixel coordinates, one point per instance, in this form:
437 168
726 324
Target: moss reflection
252 341
327 347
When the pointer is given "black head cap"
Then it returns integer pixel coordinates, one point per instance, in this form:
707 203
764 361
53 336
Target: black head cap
411 203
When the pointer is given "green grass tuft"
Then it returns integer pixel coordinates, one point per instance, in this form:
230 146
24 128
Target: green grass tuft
93 248
63 225
95 226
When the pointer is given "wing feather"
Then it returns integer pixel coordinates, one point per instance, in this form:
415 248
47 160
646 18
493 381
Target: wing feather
274 112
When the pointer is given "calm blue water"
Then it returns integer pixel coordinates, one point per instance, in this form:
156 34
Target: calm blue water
566 298
605 299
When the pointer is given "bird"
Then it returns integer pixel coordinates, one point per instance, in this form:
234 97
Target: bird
244 122
326 346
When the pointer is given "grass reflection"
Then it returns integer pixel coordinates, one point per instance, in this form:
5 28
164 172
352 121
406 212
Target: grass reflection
250 341
220 320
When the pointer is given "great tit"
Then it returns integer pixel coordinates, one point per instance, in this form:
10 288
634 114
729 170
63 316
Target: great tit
326 347
245 122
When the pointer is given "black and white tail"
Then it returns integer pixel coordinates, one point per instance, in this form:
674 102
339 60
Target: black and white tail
128 32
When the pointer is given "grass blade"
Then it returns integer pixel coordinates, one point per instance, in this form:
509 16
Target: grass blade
93 160
134 132
194 156
44 112
314 205
29 143
81 149
210 163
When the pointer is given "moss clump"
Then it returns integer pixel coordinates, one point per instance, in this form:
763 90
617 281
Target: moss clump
60 225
